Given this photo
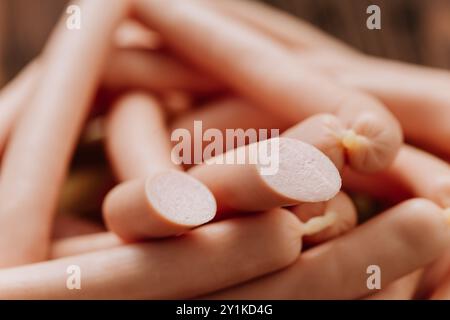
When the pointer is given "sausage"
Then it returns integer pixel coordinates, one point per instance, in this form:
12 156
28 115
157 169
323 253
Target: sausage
201 261
292 90
13 98
337 269
229 113
325 131
415 172
137 140
416 95
165 204
433 275
132 34
331 219
47 133
177 101
297 173
126 68
158 200
327 220
431 178
329 134
153 70
401 289
76 245
134 156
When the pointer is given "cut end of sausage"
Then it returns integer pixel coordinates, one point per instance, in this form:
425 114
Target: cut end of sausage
304 174
181 199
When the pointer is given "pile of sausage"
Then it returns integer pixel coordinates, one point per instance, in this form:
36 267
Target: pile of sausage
222 230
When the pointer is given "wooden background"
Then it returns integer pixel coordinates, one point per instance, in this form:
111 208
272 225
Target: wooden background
416 31
412 30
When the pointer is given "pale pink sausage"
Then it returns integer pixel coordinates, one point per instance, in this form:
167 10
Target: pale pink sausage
418 96
433 275
40 148
401 289
337 269
302 177
126 68
13 99
328 133
165 204
325 221
426 175
201 261
325 131
243 58
160 200
137 139
318 225
177 101
132 34
81 244
152 70
232 114
296 173
414 171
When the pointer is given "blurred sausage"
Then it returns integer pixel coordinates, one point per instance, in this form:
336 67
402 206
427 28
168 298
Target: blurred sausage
295 172
337 269
327 220
160 200
292 89
201 261
40 148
